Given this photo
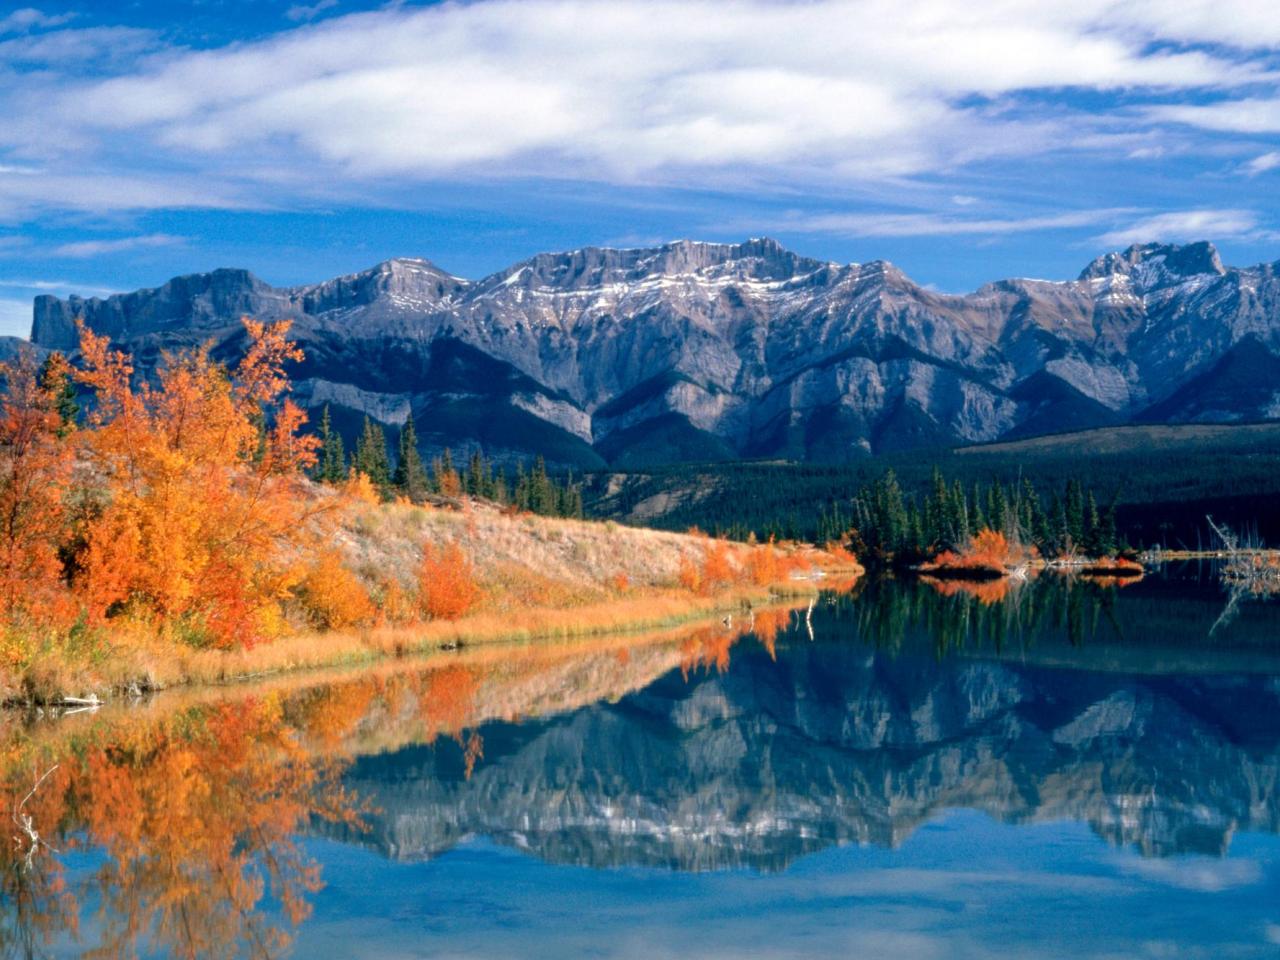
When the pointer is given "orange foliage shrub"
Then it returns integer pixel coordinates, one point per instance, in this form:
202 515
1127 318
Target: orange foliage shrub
360 489
988 553
447 587
689 575
35 468
396 606
203 479
450 483
717 570
765 566
333 597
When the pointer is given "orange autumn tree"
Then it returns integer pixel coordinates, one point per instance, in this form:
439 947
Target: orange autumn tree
35 468
203 505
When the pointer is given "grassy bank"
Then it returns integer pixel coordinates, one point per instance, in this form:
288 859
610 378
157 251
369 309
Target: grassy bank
532 578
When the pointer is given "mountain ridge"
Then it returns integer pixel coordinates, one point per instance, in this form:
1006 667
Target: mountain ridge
693 349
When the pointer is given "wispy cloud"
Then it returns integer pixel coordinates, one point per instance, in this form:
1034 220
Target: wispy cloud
60 287
1188 225
29 18
775 92
1248 115
1263 163
301 12
94 248
927 224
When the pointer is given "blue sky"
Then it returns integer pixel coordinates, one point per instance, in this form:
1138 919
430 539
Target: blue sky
965 141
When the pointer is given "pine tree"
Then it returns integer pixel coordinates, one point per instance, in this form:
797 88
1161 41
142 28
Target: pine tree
371 454
542 498
1091 540
332 467
474 479
1108 542
520 492
55 378
961 525
978 517
1073 510
410 477
997 508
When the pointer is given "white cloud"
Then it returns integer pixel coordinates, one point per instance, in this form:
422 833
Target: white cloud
94 248
1187 225
301 12
28 18
693 92
612 87
1248 115
930 224
1263 163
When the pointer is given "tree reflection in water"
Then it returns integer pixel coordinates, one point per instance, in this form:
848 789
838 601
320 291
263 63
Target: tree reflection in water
195 816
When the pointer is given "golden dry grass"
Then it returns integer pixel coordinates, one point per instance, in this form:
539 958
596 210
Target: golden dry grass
541 579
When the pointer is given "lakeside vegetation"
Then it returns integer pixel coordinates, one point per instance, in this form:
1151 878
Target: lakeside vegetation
1161 480
173 533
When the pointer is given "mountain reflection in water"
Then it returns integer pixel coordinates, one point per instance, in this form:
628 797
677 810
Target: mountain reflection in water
183 830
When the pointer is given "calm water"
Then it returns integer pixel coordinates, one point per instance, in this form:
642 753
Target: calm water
1064 771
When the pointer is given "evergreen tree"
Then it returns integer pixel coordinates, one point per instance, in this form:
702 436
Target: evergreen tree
978 520
55 377
371 454
1073 511
997 508
410 477
332 465
542 498
959 522
520 495
473 481
1108 542
1091 541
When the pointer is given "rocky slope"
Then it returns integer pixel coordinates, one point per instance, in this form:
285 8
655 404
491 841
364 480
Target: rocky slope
697 351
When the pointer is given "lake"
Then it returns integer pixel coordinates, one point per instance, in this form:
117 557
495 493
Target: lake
910 770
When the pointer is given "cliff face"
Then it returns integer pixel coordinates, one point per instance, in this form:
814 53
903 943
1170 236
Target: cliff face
696 351
835 744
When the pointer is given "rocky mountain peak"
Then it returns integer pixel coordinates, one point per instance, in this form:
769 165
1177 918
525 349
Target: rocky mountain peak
762 259
1157 264
405 282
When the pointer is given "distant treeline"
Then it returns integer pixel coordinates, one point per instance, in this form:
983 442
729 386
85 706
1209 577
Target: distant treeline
527 488
1160 496
885 524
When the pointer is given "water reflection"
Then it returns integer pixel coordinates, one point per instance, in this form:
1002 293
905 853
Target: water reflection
182 831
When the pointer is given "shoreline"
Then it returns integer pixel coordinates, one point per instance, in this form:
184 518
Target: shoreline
156 667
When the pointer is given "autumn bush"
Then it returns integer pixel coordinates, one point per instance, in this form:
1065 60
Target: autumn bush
332 595
765 565
447 587
35 469
987 554
717 568
201 473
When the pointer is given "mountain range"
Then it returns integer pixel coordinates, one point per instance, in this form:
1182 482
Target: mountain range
696 352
